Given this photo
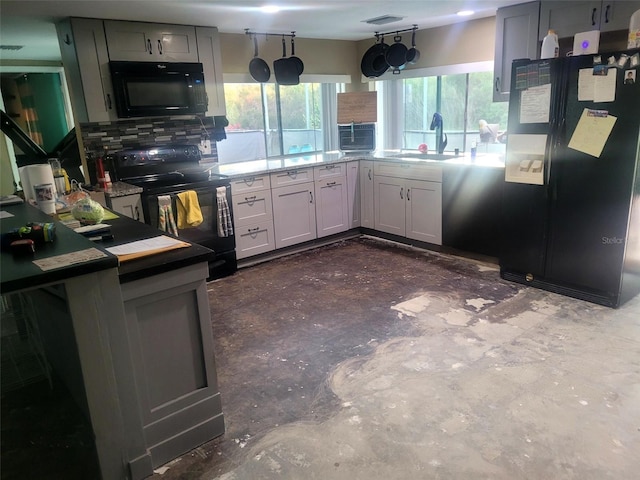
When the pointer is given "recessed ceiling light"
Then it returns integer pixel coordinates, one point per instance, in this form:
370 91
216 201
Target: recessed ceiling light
465 13
270 9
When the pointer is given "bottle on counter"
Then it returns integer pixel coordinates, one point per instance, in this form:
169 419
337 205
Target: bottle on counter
634 30
550 47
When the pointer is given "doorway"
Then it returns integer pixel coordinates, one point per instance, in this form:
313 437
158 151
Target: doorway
37 100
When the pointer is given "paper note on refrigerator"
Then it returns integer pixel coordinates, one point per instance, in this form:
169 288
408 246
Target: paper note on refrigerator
525 158
596 88
592 132
535 103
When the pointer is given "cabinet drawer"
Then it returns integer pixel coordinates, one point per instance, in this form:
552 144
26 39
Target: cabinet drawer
332 170
250 184
408 170
252 207
254 239
291 177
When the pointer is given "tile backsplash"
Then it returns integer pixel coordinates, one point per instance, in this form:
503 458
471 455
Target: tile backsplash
147 132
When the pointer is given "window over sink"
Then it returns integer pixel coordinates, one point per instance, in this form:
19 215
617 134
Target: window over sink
467 108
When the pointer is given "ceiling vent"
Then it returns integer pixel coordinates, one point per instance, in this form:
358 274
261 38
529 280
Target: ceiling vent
11 47
384 19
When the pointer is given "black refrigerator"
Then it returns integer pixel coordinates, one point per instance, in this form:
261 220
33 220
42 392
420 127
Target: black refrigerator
570 217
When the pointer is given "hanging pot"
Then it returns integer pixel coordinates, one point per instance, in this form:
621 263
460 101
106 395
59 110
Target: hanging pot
396 55
373 62
295 60
413 54
286 70
258 68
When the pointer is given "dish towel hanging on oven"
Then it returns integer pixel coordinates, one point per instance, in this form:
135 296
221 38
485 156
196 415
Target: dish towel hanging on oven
166 222
225 227
189 213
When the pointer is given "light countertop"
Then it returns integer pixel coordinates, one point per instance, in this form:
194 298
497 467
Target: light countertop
258 167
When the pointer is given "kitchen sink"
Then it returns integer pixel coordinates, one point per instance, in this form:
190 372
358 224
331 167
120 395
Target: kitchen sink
425 156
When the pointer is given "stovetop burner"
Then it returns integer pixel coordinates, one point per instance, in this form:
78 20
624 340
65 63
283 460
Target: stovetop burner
163 166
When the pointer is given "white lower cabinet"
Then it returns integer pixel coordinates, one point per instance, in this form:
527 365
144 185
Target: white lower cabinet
407 207
254 239
294 208
128 205
252 216
353 194
366 194
331 206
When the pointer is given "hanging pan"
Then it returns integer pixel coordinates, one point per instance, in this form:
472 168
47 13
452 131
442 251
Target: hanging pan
258 68
295 60
413 54
396 54
285 69
373 62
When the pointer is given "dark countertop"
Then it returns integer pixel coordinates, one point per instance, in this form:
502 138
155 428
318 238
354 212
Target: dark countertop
20 272
125 229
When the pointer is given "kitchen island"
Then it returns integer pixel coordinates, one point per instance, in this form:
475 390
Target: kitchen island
131 340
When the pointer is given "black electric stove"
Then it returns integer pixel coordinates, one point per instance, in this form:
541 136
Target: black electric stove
169 171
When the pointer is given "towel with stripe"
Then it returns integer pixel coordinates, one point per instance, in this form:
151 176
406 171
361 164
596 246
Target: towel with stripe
166 221
225 225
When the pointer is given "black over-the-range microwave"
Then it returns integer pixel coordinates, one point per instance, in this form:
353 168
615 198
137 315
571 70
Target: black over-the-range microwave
145 89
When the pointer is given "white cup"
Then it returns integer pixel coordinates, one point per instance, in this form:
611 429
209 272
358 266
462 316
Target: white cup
45 197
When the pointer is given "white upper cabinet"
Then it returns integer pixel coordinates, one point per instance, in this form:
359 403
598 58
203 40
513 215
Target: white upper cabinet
150 42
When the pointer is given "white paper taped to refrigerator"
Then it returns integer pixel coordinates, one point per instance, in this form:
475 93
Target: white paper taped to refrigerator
596 88
592 132
525 159
535 104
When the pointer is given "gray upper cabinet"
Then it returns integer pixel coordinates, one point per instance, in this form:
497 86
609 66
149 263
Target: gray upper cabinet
516 37
149 42
568 18
211 58
86 63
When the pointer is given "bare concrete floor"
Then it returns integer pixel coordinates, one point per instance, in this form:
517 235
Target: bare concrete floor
363 360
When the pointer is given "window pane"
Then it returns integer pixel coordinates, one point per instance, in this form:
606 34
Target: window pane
301 118
245 133
419 106
452 105
482 108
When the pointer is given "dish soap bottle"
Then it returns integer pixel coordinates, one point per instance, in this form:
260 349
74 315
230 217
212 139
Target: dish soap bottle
550 48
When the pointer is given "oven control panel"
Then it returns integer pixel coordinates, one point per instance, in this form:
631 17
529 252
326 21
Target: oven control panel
179 154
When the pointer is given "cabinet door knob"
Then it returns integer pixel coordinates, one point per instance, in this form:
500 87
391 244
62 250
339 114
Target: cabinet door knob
250 199
149 47
109 106
160 47
593 16
606 14
311 195
330 184
408 195
497 84
401 192
369 174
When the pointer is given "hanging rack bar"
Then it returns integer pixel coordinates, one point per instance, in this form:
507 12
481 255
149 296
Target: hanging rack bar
412 29
249 32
